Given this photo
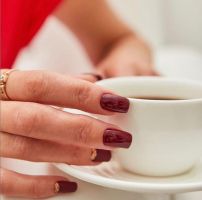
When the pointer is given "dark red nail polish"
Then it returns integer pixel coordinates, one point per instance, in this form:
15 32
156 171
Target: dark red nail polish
117 138
114 103
97 76
102 155
65 187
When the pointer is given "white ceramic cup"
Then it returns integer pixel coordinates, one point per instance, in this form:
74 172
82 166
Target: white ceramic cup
167 134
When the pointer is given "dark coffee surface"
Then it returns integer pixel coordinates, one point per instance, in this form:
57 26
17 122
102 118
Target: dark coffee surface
157 98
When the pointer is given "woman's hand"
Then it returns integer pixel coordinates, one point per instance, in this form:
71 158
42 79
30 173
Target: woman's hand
33 130
129 56
109 42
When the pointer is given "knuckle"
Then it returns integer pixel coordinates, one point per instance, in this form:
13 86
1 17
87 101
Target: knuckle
83 94
84 130
22 147
35 190
36 86
27 121
76 155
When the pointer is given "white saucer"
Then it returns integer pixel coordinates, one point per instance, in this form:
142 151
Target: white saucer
113 176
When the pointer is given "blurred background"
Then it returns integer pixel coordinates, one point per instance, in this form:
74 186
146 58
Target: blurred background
172 27
164 22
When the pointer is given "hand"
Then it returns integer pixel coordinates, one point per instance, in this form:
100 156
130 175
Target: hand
34 131
128 56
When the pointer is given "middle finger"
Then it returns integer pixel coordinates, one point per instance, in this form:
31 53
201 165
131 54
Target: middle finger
47 123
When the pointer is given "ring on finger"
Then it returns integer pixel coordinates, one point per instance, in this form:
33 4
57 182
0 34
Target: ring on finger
3 80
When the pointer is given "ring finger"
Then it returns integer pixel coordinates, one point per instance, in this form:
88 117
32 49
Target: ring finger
35 150
46 123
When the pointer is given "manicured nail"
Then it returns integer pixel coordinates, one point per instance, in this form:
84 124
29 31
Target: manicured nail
100 155
114 103
65 187
98 77
117 138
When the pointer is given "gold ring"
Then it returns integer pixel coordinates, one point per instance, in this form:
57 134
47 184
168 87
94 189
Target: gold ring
3 80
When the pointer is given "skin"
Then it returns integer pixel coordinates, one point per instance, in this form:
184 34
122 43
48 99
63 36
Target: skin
32 130
112 46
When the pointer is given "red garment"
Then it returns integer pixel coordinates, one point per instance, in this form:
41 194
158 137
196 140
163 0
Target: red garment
20 20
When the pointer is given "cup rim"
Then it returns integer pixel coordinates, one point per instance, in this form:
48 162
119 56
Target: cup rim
187 82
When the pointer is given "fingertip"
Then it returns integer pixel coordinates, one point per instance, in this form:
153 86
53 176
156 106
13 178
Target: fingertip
114 103
91 77
101 155
65 187
155 73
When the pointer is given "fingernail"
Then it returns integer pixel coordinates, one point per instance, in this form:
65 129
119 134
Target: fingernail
100 155
97 76
65 187
117 138
114 103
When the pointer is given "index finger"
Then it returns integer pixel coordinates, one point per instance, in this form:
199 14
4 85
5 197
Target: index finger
55 89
